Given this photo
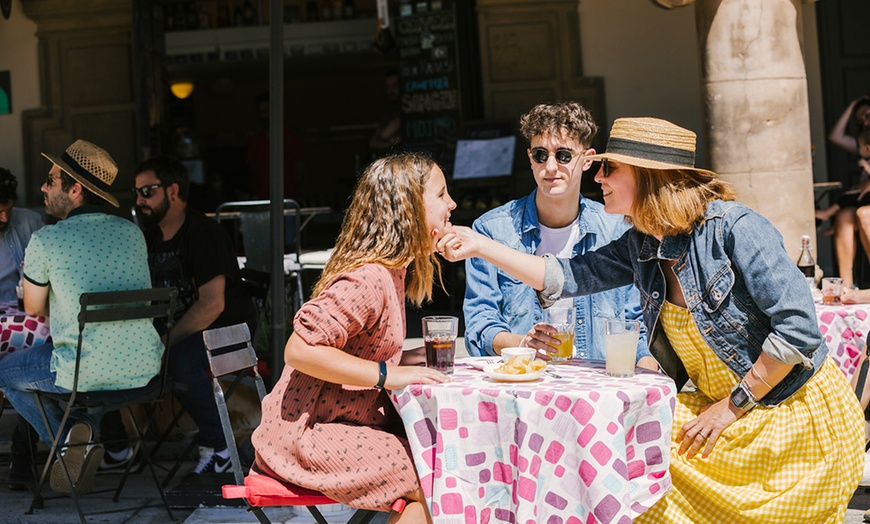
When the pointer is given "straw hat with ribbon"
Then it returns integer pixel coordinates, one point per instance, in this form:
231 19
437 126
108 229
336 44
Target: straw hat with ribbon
651 143
89 165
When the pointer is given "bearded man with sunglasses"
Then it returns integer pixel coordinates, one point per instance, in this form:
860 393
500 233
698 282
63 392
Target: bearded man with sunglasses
191 252
555 218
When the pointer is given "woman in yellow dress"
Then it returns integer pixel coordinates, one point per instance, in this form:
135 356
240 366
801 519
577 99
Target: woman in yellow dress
773 432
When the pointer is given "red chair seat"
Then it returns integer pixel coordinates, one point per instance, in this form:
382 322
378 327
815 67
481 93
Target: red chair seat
264 491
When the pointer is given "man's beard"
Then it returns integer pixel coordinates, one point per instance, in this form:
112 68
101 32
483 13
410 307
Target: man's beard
157 214
58 206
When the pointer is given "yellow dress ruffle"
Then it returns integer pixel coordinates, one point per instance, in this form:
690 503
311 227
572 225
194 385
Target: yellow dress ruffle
797 462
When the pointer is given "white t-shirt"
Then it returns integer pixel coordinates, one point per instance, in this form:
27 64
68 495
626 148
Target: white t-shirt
560 242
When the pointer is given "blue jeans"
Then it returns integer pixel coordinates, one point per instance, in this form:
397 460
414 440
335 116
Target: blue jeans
188 363
26 371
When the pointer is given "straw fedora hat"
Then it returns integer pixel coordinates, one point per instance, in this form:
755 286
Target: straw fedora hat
89 165
651 143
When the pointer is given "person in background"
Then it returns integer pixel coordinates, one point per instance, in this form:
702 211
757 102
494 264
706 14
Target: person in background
846 220
387 136
328 424
16 226
857 196
258 156
192 253
554 218
88 251
773 428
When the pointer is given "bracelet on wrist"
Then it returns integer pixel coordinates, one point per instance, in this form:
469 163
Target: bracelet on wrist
382 375
758 376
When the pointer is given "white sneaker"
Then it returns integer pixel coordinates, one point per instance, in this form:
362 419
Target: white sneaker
211 462
865 481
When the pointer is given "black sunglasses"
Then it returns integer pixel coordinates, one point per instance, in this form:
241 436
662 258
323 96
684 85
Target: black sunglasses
605 168
145 191
541 155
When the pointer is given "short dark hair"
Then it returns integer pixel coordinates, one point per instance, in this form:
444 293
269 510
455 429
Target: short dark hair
8 186
168 170
89 198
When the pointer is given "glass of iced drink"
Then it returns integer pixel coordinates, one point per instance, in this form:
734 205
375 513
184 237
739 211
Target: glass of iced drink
439 337
561 316
620 345
832 288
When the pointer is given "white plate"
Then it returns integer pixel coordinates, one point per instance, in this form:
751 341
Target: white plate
479 362
489 369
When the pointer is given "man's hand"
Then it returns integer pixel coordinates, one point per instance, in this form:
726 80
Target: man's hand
414 357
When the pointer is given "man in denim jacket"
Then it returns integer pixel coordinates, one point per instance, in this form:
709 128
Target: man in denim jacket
16 226
499 310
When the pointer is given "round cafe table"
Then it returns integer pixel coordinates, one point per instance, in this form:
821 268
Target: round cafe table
18 330
842 326
574 446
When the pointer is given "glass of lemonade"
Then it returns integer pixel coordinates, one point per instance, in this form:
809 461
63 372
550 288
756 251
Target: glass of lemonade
439 337
620 344
561 316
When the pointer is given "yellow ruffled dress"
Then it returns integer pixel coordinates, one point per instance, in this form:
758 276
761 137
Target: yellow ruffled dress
798 462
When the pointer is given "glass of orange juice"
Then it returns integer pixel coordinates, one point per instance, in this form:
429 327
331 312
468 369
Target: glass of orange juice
561 316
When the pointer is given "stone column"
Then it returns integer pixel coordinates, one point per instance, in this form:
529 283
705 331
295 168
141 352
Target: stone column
756 106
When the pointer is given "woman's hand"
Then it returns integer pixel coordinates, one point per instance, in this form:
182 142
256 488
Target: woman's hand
458 244
855 296
401 376
704 431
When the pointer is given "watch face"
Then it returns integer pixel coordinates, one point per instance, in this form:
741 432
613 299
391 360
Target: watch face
738 396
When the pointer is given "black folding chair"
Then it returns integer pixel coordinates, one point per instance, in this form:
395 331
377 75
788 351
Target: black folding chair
230 351
113 306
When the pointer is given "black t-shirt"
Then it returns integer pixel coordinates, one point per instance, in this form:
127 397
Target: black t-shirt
199 252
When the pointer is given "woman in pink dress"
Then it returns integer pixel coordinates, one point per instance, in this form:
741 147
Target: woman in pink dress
328 425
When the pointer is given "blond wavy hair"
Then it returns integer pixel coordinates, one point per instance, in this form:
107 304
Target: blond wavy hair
386 224
669 202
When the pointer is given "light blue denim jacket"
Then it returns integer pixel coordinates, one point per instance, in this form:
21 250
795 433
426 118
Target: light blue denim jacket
496 302
743 291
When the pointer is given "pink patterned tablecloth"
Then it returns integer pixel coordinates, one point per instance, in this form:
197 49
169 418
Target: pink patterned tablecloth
18 330
583 448
841 325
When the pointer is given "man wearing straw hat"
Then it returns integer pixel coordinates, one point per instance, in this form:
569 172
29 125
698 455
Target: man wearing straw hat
89 250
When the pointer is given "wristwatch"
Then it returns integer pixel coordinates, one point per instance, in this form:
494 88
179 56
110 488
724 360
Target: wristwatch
741 397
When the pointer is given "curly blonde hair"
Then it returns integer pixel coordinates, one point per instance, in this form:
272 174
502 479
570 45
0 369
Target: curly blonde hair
669 202
386 224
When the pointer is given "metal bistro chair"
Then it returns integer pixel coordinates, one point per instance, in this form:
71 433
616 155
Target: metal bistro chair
113 306
254 220
230 351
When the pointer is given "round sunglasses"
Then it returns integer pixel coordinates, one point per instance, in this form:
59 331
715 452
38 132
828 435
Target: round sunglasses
563 156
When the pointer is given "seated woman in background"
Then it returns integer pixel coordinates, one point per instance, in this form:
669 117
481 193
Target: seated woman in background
328 424
773 431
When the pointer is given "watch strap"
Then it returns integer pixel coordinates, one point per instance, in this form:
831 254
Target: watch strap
382 375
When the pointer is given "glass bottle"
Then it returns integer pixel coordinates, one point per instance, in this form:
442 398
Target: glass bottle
806 263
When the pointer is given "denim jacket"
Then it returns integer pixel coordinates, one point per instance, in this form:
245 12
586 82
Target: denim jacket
22 224
742 290
496 302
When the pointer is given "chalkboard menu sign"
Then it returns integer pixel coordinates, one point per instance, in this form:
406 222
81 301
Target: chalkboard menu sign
428 78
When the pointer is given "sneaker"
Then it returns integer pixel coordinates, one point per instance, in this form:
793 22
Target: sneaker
865 481
115 465
81 462
21 472
211 462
